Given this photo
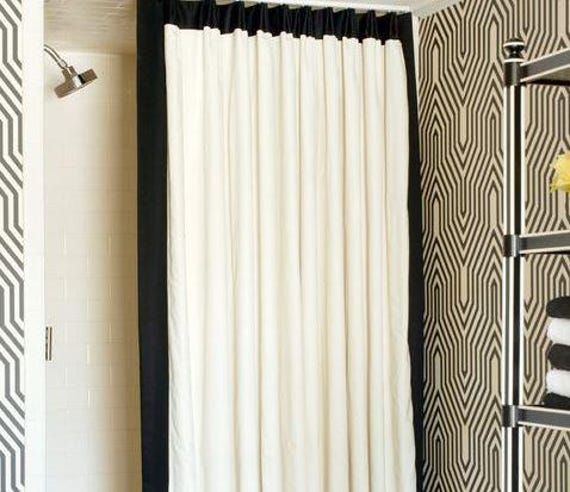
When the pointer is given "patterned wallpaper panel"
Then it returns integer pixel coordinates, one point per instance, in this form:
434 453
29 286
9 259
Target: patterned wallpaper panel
11 251
461 140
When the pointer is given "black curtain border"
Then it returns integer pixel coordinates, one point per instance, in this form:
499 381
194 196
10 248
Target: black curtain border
152 220
416 274
275 20
152 244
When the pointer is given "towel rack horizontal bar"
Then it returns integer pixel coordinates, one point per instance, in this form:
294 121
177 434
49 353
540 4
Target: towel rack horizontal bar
536 416
544 243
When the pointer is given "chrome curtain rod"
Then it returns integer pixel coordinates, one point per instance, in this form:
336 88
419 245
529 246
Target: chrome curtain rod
378 7
339 5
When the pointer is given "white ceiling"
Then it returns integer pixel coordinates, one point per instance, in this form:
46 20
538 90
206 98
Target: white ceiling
110 25
91 25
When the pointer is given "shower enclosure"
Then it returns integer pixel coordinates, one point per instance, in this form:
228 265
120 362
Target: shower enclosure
90 283
80 203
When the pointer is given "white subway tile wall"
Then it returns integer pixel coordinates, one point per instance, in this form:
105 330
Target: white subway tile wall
90 279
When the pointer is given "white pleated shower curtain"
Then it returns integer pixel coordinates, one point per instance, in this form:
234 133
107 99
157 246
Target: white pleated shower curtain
287 264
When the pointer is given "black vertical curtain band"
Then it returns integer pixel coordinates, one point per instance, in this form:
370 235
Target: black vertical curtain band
416 270
152 15
281 18
152 244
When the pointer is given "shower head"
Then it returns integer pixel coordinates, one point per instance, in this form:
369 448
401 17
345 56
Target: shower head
73 80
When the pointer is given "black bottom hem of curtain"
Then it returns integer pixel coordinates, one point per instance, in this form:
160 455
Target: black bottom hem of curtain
152 221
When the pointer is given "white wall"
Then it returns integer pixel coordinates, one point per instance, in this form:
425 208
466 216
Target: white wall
90 279
34 316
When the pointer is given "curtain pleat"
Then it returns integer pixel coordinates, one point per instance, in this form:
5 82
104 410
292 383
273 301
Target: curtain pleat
287 263
332 278
244 266
396 169
376 251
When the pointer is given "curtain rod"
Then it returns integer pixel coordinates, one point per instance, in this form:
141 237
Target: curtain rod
338 5
378 7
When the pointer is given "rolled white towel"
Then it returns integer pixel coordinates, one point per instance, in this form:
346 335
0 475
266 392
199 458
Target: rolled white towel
558 381
558 330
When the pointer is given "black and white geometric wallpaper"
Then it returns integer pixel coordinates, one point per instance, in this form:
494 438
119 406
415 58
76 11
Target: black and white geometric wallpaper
461 149
460 123
11 251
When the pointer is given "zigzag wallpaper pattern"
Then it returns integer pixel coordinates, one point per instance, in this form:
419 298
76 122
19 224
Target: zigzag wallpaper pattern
461 147
11 250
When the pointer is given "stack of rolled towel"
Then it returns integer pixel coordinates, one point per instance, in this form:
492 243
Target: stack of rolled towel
558 332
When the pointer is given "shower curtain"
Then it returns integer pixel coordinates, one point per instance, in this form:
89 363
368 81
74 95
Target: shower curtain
286 233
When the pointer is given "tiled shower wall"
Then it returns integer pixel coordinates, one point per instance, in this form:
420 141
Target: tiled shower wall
90 278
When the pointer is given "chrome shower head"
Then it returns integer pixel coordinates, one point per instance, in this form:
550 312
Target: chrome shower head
73 80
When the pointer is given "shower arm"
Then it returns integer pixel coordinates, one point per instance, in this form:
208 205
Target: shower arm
61 63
